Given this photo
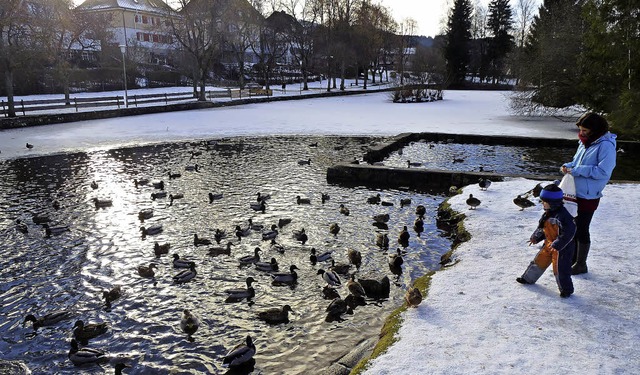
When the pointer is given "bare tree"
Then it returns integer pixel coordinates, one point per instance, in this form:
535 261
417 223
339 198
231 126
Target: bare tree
15 43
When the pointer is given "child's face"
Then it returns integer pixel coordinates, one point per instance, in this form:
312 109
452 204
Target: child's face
546 205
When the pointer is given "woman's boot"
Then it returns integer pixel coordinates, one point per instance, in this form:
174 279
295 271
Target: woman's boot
580 266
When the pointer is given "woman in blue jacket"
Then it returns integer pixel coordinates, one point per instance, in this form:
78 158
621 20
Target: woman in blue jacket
591 168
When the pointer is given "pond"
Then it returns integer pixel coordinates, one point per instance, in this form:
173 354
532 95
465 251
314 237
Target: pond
103 248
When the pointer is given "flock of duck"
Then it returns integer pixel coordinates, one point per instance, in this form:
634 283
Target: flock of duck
333 274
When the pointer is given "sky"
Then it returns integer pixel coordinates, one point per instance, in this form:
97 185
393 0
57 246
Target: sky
476 318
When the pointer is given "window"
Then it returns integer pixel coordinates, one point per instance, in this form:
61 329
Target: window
145 19
139 36
156 38
146 37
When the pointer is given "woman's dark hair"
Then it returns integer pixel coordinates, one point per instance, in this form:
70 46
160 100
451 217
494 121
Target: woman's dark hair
594 122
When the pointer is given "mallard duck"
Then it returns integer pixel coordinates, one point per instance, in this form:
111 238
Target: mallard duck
112 294
300 235
191 168
242 232
300 200
219 235
150 231
330 277
376 288
262 197
284 221
54 231
249 259
215 251
355 257
240 354
29 146
276 315
161 249
158 195
197 241
173 197
386 203
355 288
158 184
270 266
396 260
271 234
374 199
340 268
336 308
315 258
276 246
413 164
85 332
382 240
285 278
102 202
473 202
259 206
381 218
257 227
173 176
94 185
418 225
189 323
235 295
140 182
405 202
413 297
403 237
215 197
381 226
119 367
344 210
182 263
147 271
334 229
324 197
47 319
484 183
523 202
329 292
421 210
86 355
40 219
185 275
145 213
304 162
536 190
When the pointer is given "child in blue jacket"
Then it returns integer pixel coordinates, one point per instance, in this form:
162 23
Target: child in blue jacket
557 228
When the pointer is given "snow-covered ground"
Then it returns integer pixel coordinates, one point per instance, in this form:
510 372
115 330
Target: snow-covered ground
476 319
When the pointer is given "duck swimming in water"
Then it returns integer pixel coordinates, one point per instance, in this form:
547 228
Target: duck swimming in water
236 295
285 278
86 355
189 323
85 332
240 354
276 315
47 319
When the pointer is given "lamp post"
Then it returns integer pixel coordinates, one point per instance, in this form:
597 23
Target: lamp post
123 49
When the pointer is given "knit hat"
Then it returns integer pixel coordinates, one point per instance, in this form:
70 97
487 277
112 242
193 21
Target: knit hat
551 193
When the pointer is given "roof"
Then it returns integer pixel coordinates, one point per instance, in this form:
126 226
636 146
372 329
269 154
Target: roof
152 6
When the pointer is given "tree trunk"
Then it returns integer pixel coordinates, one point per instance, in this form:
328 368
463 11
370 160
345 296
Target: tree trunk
8 82
305 78
342 74
203 80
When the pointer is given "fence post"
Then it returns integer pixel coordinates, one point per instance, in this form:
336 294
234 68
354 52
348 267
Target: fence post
118 101
22 104
75 104
135 100
4 111
166 101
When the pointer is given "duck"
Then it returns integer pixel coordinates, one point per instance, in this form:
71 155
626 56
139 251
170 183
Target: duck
271 266
374 199
381 226
334 229
340 268
418 225
182 263
304 162
185 275
158 184
173 197
40 219
173 176
271 234
336 308
150 231
249 259
382 240
484 183
119 367
276 246
140 182
355 288
403 237
381 218
197 241
473 202
191 168
56 205
161 249
257 227
413 297
315 258
54 231
85 332
453 190
262 197
344 210
413 164
219 235
189 323
376 288
396 260
355 257
86 355
314 144
259 206
102 202
289 278
421 210
235 295
283 222
94 185
330 277
523 202
240 354
324 197
215 251
112 294
215 197
300 235
300 200
29 146
535 191
240 232
48 319
158 195
405 202
145 213
147 271
330 293
276 315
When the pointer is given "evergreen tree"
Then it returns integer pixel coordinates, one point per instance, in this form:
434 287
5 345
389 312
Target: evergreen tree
500 24
458 35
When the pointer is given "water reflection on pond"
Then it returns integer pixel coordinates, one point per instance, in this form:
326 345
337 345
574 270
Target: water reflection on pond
104 246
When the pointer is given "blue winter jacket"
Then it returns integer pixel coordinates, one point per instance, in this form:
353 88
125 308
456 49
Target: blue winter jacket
591 167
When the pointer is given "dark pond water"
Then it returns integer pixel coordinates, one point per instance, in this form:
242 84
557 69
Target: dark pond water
104 247
499 159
